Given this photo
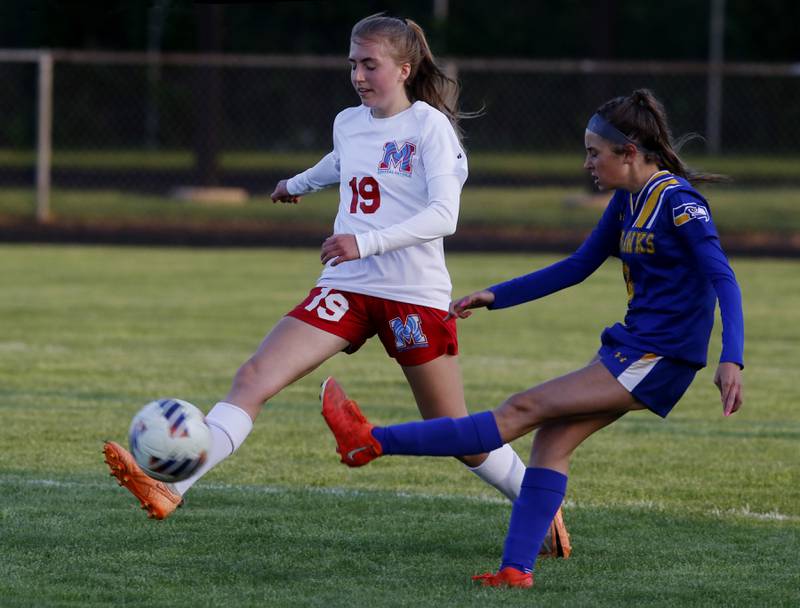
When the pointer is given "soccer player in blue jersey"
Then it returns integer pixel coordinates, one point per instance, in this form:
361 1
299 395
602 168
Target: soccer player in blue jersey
675 272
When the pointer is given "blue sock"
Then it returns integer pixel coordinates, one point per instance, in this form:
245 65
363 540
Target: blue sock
539 498
473 434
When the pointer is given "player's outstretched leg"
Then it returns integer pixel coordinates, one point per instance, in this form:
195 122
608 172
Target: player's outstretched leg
352 430
506 577
155 497
357 446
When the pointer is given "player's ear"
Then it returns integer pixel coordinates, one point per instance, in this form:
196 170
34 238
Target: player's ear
405 71
629 153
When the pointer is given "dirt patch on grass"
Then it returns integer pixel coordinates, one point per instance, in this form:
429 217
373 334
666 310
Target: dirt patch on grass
468 238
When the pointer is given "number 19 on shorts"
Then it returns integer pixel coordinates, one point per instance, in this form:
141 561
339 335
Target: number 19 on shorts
330 306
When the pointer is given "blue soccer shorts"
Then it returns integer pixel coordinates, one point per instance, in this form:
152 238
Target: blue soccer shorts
657 382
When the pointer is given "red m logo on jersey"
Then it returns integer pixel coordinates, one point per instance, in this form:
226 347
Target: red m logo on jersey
397 160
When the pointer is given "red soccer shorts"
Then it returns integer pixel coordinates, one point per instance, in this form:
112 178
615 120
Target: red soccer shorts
410 333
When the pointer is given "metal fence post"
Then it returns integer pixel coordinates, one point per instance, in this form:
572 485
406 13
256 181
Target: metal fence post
715 58
44 139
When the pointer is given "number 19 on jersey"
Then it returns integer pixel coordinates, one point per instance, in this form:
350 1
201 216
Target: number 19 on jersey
366 194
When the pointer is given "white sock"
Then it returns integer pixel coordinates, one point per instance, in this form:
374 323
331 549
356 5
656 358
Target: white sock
230 425
502 469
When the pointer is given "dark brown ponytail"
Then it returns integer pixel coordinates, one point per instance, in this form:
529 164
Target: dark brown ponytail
642 118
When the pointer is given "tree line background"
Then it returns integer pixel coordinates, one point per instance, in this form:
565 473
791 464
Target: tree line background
130 110
602 29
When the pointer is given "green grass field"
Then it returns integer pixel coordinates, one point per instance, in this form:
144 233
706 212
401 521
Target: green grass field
698 510
498 163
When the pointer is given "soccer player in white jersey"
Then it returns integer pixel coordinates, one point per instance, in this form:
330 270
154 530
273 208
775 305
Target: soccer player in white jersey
400 167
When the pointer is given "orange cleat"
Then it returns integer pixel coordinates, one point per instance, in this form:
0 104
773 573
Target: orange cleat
556 543
352 431
507 577
155 497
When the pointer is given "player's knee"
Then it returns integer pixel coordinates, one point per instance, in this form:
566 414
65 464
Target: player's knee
524 408
245 375
252 377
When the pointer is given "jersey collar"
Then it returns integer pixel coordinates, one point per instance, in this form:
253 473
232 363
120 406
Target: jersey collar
634 199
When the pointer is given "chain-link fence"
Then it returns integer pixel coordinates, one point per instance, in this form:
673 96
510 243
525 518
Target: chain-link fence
149 122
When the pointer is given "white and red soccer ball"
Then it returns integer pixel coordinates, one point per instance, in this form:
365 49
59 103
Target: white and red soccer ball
169 439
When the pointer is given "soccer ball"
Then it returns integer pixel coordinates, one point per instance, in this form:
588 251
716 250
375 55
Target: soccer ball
169 439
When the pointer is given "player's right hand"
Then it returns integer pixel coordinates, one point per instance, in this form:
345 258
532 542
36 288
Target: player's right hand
728 379
460 308
282 194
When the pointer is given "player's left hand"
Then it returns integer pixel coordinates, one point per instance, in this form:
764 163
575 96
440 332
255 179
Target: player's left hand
729 381
339 248
281 193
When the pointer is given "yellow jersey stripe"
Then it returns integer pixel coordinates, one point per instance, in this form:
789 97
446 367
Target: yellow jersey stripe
654 215
651 202
653 178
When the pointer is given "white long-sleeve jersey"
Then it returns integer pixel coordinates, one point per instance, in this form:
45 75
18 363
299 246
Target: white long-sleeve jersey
400 181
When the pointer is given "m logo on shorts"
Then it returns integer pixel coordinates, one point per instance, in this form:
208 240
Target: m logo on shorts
397 160
408 335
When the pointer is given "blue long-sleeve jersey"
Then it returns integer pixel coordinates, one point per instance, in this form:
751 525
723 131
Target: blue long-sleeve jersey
674 270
